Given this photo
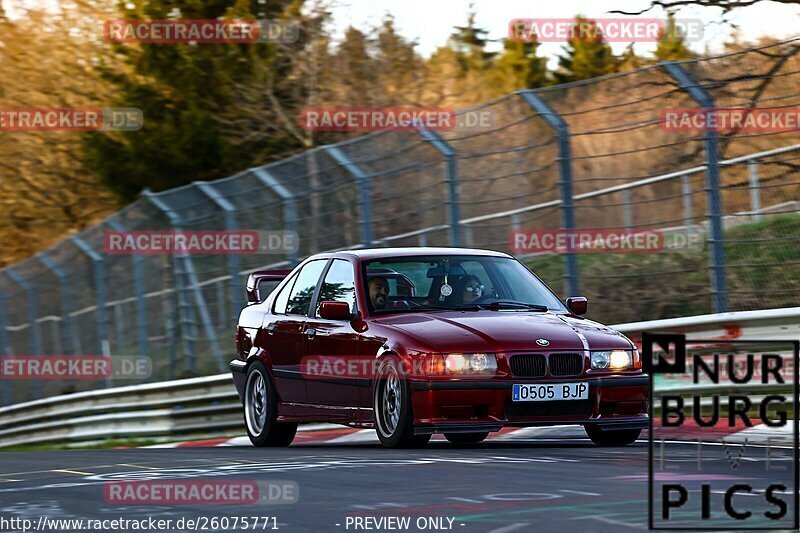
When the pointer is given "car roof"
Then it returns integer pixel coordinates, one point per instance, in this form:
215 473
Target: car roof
369 254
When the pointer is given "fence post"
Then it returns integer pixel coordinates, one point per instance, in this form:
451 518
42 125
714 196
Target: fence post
755 191
234 263
686 186
36 336
716 237
451 178
138 287
628 209
469 239
561 128
185 262
362 178
5 347
516 225
287 198
67 334
99 278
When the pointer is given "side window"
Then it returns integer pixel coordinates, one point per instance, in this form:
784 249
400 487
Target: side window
339 285
303 290
283 297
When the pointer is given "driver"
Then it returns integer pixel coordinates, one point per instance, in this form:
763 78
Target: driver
378 292
473 289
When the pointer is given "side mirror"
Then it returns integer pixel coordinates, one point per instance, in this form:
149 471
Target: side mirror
577 305
335 311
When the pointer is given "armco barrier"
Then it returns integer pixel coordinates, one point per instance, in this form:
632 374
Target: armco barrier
210 403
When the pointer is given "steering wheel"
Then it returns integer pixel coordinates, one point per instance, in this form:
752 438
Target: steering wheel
405 304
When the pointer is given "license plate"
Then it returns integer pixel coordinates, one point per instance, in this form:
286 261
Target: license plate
544 392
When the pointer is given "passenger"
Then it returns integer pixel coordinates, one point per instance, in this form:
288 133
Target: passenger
378 292
473 289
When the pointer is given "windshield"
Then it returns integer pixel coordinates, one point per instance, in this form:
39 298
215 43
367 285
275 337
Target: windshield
424 283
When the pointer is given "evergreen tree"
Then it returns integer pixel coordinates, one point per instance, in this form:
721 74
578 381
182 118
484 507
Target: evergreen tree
399 66
672 42
469 43
587 54
356 69
518 66
182 90
629 60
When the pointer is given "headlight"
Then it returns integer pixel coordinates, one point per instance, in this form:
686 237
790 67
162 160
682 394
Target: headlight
613 360
463 364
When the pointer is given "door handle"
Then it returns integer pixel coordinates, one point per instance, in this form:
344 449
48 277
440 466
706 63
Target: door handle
311 333
271 328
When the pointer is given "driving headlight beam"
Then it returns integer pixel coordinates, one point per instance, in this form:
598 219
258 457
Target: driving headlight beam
612 360
470 364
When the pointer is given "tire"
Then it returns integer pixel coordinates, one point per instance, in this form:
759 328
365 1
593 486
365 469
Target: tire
261 410
391 405
466 438
612 437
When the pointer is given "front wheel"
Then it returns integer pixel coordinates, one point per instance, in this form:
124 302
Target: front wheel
261 410
612 437
466 438
394 421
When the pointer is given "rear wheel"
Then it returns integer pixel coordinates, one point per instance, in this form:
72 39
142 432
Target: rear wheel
261 410
394 421
612 437
466 438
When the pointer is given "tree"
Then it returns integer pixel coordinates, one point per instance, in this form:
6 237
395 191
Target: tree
672 42
358 80
518 67
47 62
460 73
399 67
629 60
587 54
183 91
469 43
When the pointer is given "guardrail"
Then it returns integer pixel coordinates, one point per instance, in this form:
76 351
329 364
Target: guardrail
209 403
165 408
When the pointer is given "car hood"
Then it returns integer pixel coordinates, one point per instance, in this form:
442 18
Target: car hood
501 331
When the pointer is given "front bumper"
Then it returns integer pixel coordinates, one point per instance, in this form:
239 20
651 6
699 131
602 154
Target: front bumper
616 402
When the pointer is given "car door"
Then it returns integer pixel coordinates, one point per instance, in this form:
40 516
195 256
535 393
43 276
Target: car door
285 331
335 341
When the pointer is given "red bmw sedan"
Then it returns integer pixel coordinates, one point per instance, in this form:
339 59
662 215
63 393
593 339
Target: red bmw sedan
416 341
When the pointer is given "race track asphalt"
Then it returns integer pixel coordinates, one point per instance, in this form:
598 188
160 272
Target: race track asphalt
556 483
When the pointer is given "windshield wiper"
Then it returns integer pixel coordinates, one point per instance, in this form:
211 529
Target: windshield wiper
421 308
511 304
